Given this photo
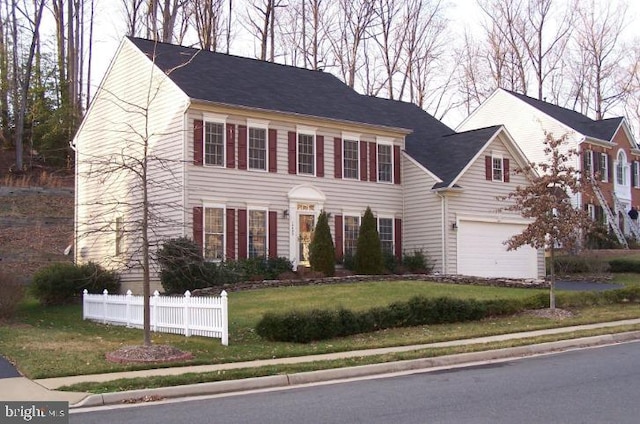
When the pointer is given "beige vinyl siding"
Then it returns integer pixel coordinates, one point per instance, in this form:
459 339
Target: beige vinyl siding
478 198
114 128
525 123
241 189
422 214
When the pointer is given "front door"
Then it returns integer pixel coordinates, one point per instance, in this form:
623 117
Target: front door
306 225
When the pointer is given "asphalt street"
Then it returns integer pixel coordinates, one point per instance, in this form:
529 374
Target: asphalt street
7 370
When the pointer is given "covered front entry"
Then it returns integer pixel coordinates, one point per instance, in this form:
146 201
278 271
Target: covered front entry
305 204
482 253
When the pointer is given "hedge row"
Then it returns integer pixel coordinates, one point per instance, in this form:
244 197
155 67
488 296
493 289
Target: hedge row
317 324
624 265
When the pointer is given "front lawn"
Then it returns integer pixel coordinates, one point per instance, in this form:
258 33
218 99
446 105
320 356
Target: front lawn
52 342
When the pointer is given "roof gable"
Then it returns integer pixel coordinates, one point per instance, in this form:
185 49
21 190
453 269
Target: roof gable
602 129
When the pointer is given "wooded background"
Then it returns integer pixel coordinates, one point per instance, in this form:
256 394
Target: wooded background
578 54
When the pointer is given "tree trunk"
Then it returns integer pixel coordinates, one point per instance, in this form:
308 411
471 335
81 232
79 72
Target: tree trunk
552 278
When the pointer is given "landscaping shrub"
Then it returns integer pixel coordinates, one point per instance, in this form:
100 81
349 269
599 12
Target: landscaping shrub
624 265
63 283
11 294
307 326
368 257
417 262
321 250
571 264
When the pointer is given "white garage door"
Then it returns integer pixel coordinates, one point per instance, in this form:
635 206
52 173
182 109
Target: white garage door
481 251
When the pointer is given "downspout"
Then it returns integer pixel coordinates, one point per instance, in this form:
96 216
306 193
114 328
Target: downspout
75 204
185 135
443 232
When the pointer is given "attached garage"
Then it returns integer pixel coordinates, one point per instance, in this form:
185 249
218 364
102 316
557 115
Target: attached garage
481 251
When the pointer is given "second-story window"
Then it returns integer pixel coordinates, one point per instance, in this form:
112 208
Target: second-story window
621 169
350 155
604 167
385 163
258 148
497 169
306 156
214 143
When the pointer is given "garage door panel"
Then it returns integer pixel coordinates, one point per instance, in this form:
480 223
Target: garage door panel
482 252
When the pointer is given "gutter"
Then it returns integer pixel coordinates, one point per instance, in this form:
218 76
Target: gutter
74 147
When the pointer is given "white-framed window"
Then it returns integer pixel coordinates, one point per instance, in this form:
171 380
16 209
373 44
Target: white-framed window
119 234
351 159
306 154
591 211
588 162
385 163
257 232
257 148
214 143
214 237
385 231
497 170
621 168
604 167
351 230
635 174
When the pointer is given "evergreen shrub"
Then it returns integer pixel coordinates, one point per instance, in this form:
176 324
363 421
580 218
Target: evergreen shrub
368 257
321 250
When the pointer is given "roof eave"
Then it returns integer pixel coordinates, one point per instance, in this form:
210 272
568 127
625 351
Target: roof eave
403 131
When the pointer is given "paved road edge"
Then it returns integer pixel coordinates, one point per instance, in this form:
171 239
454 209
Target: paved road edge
204 389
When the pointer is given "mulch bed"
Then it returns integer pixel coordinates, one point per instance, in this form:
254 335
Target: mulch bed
148 354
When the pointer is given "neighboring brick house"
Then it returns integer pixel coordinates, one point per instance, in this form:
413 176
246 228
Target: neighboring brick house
247 153
607 150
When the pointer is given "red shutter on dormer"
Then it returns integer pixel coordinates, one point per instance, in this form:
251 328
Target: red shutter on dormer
273 150
373 162
231 146
292 153
396 165
363 161
242 147
319 156
339 238
243 242
398 238
231 234
273 234
197 226
506 170
198 130
337 157
488 168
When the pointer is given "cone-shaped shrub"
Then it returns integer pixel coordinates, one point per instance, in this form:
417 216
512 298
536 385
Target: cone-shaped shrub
368 258
321 249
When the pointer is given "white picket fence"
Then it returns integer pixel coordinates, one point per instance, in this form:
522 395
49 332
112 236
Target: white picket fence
197 316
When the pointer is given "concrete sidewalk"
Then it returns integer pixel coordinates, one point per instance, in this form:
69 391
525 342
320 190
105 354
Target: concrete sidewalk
21 388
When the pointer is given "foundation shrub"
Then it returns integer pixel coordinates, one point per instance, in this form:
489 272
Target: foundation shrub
11 294
624 265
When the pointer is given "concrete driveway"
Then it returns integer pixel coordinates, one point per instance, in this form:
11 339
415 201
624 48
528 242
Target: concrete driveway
585 286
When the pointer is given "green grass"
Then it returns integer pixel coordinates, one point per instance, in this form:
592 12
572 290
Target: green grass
53 342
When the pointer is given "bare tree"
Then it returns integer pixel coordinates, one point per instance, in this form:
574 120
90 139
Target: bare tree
208 20
161 19
261 21
300 30
599 81
546 201
134 15
355 18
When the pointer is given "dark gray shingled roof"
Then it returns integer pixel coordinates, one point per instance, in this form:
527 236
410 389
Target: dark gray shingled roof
603 130
233 80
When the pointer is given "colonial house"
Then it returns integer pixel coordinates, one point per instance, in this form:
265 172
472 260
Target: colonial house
608 154
242 155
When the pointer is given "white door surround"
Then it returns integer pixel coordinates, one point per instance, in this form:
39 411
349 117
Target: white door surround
305 204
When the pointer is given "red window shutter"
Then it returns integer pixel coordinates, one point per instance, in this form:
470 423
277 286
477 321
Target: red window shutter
198 130
197 226
242 147
243 242
506 170
293 162
610 167
319 156
396 165
488 168
373 162
398 238
337 157
339 237
273 234
363 161
231 234
231 146
273 150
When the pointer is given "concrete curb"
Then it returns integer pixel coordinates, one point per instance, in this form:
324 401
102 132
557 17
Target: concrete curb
204 389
